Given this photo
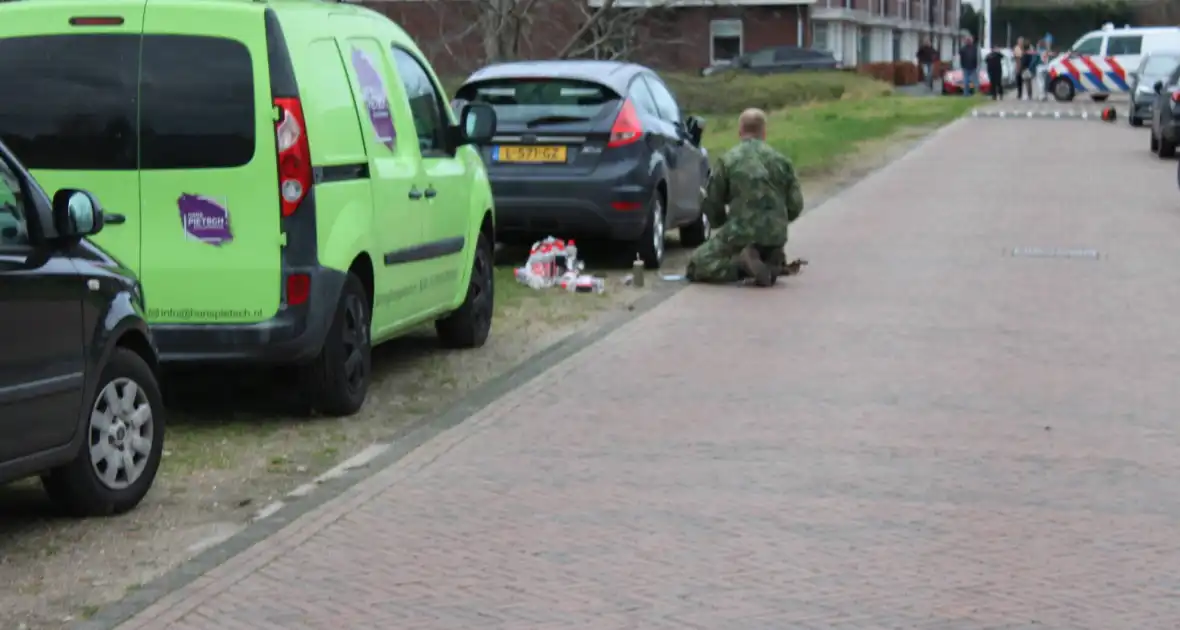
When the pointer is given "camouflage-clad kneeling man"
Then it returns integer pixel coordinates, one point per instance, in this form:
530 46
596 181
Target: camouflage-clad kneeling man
759 185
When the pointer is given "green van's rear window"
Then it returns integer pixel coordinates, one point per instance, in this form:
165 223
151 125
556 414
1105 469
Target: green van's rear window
526 99
71 102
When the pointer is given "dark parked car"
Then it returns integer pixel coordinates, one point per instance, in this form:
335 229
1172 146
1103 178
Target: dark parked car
591 149
1155 66
79 400
1165 129
778 59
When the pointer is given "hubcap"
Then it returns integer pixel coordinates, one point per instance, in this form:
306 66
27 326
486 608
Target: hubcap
1062 90
657 229
121 433
355 341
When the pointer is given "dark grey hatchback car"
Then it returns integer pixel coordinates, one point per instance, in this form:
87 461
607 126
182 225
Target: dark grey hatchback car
80 402
591 150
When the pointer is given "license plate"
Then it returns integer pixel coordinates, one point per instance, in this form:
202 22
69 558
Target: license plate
530 154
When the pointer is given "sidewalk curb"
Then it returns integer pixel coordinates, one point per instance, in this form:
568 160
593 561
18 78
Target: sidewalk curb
409 438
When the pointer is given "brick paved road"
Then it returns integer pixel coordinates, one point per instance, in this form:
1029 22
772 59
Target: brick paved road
918 432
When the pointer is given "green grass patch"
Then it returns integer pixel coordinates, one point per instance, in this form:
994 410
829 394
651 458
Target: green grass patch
816 136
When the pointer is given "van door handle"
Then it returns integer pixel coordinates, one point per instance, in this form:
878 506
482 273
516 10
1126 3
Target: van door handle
431 192
113 218
415 194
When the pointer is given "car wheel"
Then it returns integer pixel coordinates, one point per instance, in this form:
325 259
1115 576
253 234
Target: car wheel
469 325
1155 143
1165 149
1062 90
651 244
123 442
338 379
696 233
1135 121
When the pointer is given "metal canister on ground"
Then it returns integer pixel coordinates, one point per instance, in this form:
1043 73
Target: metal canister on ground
637 272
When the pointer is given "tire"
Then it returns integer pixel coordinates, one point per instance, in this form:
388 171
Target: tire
651 244
1135 121
1062 90
469 325
1166 149
1155 142
81 487
696 233
337 381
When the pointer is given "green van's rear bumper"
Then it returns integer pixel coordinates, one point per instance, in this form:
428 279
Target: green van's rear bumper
295 335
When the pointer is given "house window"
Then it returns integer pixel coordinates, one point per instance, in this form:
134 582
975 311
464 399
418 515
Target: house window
863 46
897 45
849 4
725 40
819 36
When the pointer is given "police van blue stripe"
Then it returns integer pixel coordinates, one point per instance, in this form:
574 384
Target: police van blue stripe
1118 81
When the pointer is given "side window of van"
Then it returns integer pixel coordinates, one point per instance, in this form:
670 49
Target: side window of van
1089 46
425 103
197 107
1124 45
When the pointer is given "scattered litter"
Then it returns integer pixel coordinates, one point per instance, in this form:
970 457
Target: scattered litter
672 277
554 262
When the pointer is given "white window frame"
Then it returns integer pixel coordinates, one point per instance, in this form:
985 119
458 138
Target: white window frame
725 29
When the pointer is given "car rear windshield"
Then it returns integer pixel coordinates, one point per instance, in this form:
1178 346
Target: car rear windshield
526 101
83 102
1159 66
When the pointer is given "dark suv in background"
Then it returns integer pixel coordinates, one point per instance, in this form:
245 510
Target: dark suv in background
80 403
778 59
591 150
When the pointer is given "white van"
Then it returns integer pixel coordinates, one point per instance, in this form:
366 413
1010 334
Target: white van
1100 61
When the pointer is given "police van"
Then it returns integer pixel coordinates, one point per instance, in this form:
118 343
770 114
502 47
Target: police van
1100 61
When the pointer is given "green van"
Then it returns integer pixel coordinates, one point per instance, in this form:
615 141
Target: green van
286 177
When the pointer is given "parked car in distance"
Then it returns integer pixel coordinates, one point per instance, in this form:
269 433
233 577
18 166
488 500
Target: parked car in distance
591 150
1156 66
777 59
79 400
952 80
1165 111
286 178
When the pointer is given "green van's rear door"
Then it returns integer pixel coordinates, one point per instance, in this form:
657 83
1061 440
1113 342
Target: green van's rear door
209 178
68 97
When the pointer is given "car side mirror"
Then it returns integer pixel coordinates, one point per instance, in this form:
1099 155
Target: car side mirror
477 123
76 213
1158 87
695 127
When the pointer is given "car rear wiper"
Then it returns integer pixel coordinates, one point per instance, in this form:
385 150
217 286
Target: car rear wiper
551 120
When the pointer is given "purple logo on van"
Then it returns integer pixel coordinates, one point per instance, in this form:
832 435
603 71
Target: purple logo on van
376 97
205 219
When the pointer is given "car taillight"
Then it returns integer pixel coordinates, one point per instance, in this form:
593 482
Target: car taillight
627 128
1176 96
294 154
298 288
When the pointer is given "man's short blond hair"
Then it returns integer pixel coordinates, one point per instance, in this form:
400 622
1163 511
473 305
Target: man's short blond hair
752 122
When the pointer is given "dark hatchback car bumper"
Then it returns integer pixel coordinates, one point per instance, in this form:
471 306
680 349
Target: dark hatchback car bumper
1141 108
571 207
295 335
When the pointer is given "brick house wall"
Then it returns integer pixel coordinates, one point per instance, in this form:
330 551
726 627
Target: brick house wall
671 39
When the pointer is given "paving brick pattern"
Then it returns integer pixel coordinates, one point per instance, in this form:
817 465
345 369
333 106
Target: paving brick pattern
920 431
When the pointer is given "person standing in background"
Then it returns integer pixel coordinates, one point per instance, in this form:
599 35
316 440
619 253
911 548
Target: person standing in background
1018 62
927 55
994 62
1031 71
969 63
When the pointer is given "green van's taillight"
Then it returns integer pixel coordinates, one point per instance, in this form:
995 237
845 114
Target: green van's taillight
294 154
